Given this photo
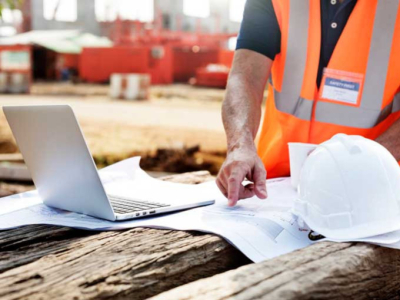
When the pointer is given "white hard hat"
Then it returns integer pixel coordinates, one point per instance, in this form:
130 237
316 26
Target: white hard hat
349 188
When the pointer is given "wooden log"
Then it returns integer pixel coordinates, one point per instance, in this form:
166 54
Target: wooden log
189 178
7 189
47 262
321 271
11 157
15 172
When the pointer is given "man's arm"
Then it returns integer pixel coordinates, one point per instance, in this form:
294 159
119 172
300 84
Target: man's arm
391 139
241 114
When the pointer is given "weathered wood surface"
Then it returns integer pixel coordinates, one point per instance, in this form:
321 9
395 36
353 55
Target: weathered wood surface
15 172
47 262
322 271
7 189
11 157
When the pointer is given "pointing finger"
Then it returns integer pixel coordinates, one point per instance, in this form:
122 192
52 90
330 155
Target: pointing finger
234 184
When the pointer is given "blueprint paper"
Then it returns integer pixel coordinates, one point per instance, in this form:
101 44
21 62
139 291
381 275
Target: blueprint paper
261 229
384 239
393 246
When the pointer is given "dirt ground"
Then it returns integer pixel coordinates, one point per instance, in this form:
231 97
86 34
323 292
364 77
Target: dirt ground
179 124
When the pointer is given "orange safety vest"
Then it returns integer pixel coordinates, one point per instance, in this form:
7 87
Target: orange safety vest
369 46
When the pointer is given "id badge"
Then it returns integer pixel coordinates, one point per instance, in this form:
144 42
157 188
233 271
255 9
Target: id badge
341 86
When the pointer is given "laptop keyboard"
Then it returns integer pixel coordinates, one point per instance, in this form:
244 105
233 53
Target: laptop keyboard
126 205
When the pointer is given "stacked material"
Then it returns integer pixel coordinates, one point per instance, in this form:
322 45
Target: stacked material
130 86
348 188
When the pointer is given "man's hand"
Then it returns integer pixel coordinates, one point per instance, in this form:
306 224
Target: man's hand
241 114
242 164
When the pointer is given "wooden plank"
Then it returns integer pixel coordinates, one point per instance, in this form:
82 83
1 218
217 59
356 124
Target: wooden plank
15 172
321 271
7 189
11 157
44 262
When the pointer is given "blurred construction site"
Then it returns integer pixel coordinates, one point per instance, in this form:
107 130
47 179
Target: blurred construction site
145 77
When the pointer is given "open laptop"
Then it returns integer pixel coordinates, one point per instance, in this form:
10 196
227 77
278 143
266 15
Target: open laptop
62 168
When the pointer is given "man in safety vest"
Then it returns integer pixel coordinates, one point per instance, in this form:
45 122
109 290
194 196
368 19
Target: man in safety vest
332 66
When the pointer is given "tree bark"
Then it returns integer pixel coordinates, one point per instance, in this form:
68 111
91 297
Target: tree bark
322 271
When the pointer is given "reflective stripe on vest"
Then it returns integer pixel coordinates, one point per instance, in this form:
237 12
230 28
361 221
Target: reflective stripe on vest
345 115
296 57
369 114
